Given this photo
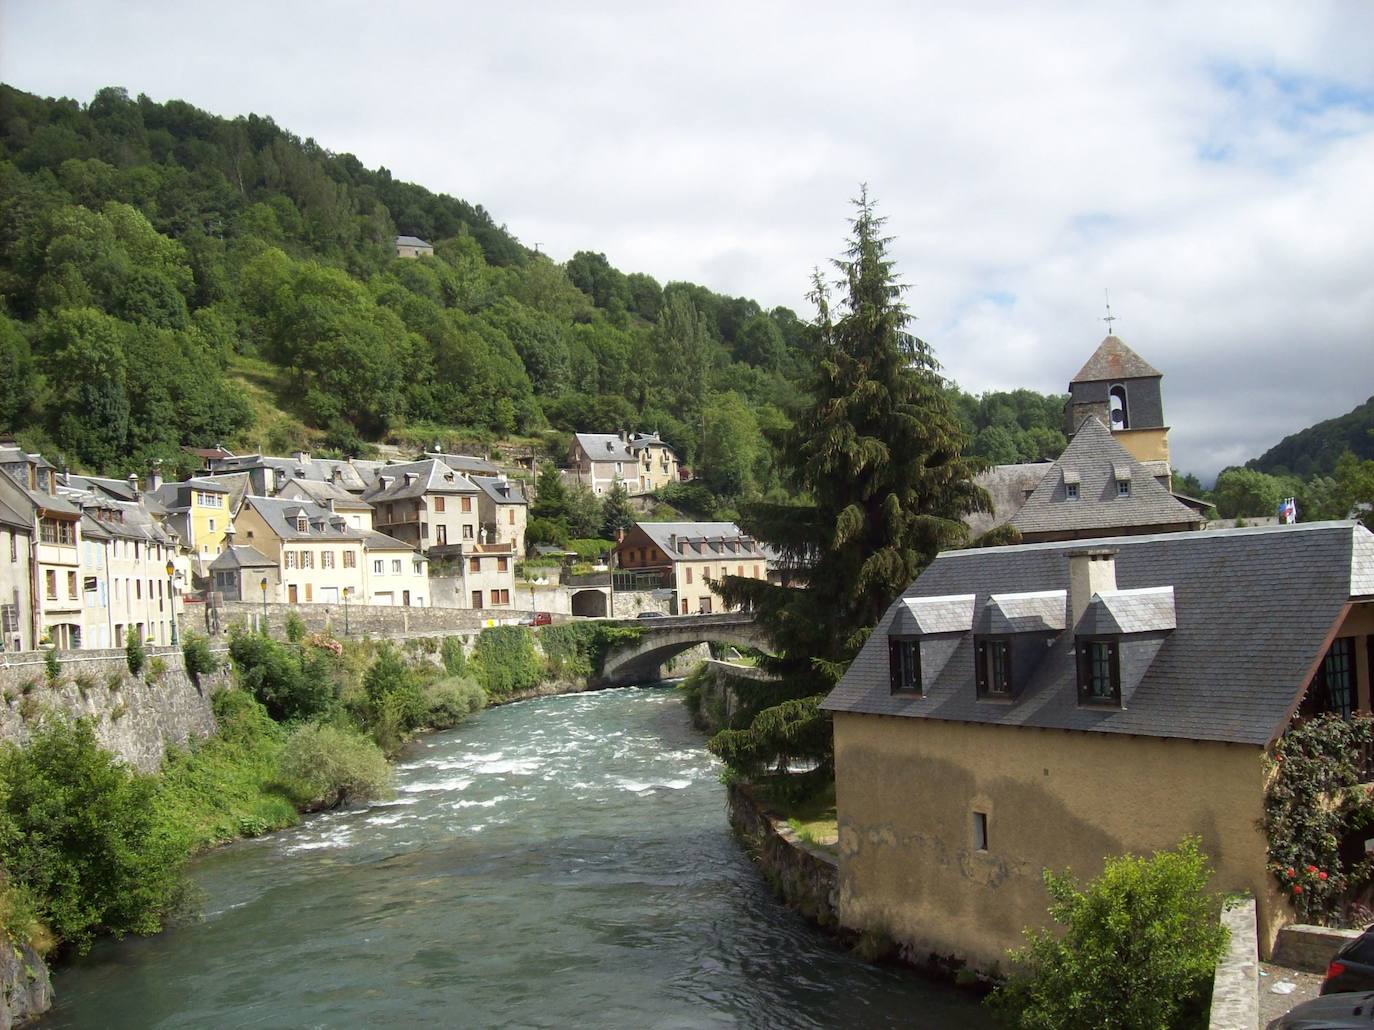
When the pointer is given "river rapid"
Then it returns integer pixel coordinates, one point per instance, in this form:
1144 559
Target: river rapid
554 863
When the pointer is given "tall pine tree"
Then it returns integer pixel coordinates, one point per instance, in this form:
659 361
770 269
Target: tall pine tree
878 459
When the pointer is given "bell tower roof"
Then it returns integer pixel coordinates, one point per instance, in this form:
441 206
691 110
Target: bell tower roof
1114 360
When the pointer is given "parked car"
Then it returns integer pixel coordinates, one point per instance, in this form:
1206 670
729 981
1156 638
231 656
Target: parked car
538 619
651 615
1353 967
1351 1011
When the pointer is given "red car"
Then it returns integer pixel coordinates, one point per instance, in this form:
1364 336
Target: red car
538 619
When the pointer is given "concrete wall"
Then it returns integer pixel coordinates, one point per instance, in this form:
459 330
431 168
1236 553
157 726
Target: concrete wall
907 791
135 718
1235 985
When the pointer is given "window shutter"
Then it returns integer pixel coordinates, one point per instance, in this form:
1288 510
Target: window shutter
894 665
1114 653
1011 669
981 666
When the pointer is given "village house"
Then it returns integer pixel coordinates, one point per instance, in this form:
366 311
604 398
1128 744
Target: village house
243 573
16 582
1044 706
502 511
199 511
268 475
53 531
318 556
355 511
413 247
426 504
687 556
488 573
129 574
641 462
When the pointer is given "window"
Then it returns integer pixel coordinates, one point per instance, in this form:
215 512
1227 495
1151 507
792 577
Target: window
326 559
138 589
14 547
1099 672
212 525
994 667
1123 488
466 504
474 564
510 517
904 664
756 573
290 559
502 564
1332 688
689 573
438 504
379 567
980 831
1071 491
71 584
467 532
500 597
55 531
307 559
51 578
395 566
302 524
477 598
441 535
418 567
350 560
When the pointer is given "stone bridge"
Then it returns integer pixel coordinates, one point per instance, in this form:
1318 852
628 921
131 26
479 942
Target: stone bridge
661 639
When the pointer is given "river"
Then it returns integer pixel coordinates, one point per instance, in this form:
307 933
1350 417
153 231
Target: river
554 863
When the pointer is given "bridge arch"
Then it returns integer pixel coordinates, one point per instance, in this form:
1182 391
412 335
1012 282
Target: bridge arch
660 640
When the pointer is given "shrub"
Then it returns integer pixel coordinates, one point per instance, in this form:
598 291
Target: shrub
295 627
505 661
78 832
85 683
114 681
328 766
51 666
200 661
393 702
20 919
289 683
1139 947
590 549
157 668
450 701
453 655
133 651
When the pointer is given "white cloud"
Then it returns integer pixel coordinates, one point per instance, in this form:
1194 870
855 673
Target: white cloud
1208 163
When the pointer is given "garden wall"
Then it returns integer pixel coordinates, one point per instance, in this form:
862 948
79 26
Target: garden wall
362 619
135 717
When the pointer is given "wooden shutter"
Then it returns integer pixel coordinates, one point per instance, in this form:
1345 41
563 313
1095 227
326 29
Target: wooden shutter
894 665
980 666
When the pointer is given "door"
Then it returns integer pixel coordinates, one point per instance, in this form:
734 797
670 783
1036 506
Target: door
477 598
441 535
405 598
291 593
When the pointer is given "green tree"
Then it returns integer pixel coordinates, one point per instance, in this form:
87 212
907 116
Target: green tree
1246 493
1138 949
616 513
731 445
1354 489
878 457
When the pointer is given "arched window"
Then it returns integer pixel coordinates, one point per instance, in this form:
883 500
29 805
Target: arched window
1116 407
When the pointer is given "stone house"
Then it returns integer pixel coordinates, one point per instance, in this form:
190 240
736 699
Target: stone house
488 576
29 491
413 247
502 511
16 581
640 461
200 511
687 556
426 504
243 573
125 558
1047 705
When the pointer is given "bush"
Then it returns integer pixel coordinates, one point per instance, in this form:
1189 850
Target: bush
504 660
289 683
1138 950
20 919
200 661
328 766
393 703
51 666
295 627
450 701
454 656
157 668
590 549
79 833
133 651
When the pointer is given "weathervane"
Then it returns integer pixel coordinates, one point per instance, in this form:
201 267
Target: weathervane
1110 317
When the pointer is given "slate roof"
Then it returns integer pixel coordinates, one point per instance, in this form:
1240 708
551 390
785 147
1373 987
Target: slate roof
501 491
1253 608
325 494
281 517
119 489
610 447
1035 611
466 463
1096 462
412 241
1149 610
1008 488
241 556
1114 360
10 517
927 615
374 541
431 476
695 541
351 474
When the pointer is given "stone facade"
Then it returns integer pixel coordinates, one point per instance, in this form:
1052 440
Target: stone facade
135 717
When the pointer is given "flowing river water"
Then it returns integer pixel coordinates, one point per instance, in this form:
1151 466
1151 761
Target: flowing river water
554 863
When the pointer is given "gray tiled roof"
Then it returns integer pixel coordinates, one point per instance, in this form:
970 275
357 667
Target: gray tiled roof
1008 487
1114 360
465 463
281 517
1035 611
1150 610
429 476
610 447
694 541
325 494
1098 462
374 541
502 491
242 556
1254 607
411 241
923 615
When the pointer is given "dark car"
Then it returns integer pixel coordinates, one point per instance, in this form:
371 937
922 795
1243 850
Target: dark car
1353 967
1334 1012
651 615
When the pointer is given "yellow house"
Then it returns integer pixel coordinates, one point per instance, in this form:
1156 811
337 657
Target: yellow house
641 462
199 511
1049 705
689 556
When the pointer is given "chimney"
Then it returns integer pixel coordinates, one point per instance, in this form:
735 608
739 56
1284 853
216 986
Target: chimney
1091 571
133 486
301 456
624 436
155 477
336 476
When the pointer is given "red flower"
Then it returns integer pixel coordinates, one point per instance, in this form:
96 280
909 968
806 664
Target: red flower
1311 869
1289 872
1321 876
1297 888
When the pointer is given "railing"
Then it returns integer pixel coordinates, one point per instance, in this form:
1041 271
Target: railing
625 579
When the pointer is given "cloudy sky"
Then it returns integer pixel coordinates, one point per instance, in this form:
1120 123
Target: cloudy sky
1210 164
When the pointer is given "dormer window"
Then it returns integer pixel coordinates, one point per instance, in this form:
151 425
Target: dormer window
993 671
1123 488
302 524
1071 491
1099 672
904 664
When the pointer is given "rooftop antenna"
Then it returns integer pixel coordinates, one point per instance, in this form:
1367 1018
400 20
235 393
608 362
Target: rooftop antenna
1110 317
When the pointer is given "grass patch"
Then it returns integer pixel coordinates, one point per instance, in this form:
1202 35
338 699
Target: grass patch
278 421
809 813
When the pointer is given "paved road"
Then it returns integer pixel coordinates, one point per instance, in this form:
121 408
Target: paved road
1274 1005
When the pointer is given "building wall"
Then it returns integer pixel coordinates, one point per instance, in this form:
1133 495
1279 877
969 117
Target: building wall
495 583
692 587
1359 624
1144 444
1144 402
209 519
907 791
16 588
402 582
657 468
61 607
132 589
507 521
418 521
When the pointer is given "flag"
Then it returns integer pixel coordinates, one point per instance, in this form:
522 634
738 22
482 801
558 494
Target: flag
1288 510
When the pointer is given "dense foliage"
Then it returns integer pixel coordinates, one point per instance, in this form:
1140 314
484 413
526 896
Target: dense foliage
173 278
504 661
1246 493
1315 450
1016 426
332 765
1137 950
1312 804
877 457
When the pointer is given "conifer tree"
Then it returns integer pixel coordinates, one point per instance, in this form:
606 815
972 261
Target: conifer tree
877 458
616 513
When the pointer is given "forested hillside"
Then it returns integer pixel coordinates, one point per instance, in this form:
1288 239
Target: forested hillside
169 277
1316 449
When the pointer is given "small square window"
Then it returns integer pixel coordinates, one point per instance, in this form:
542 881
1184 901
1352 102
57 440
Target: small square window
1071 491
980 831
1123 488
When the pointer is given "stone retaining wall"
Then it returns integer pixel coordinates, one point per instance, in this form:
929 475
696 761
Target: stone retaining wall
1309 948
136 717
1235 986
806 877
362 619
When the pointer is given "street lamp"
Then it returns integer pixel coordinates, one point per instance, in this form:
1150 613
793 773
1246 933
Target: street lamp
172 597
346 592
263 585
